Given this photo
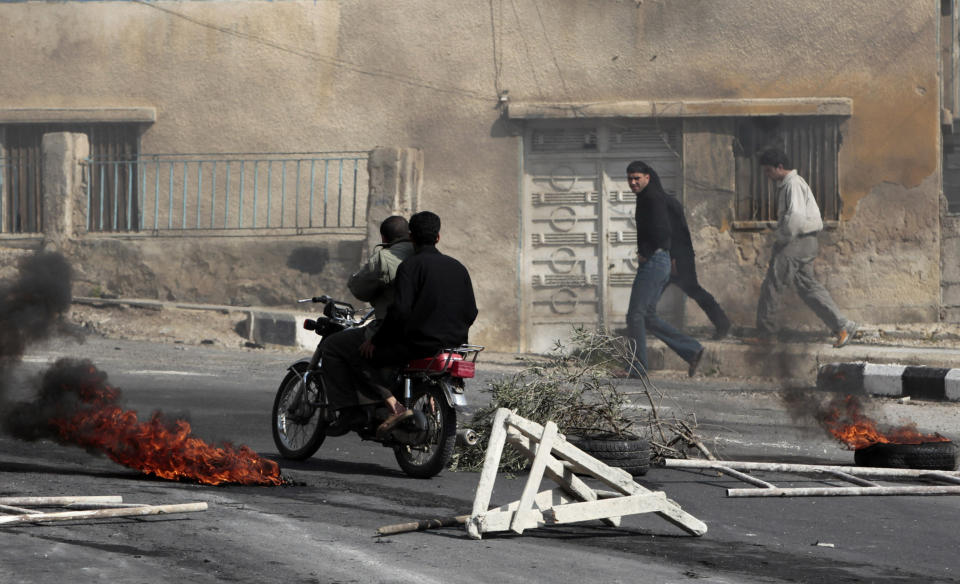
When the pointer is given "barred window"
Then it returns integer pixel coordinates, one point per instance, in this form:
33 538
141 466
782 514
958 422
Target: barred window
21 175
812 144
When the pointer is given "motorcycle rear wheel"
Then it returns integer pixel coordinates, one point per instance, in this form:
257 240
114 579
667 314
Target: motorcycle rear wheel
297 435
427 460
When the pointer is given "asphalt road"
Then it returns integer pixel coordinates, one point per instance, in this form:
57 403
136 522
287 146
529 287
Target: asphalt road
321 527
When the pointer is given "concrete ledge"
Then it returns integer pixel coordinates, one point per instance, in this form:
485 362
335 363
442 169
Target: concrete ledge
690 108
920 382
44 115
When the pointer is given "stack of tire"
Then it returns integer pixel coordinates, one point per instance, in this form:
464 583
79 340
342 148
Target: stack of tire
631 454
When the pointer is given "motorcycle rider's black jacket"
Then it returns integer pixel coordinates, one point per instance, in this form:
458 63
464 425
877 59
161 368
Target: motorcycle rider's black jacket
433 307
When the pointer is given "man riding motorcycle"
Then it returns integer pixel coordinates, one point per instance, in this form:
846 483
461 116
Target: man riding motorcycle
433 308
372 283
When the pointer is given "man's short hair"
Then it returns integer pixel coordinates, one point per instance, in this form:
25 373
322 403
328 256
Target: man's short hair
775 157
394 228
639 166
424 228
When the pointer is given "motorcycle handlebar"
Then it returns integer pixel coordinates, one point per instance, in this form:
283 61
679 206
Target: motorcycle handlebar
316 299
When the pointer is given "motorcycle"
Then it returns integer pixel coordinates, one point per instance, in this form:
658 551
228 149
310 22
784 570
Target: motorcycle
432 388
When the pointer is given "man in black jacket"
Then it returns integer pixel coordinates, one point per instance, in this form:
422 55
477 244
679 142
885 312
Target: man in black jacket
433 309
654 242
683 271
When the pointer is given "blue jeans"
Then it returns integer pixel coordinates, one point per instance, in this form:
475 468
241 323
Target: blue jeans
652 277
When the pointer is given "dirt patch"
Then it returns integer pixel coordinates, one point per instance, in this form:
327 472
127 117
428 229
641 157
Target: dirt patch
162 324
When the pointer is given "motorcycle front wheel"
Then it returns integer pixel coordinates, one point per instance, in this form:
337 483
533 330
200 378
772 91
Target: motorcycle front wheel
298 430
433 455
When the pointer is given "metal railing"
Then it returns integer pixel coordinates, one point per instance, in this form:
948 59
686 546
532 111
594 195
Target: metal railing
21 209
164 192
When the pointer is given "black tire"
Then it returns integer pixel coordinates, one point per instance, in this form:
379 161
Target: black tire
924 456
428 460
297 437
631 455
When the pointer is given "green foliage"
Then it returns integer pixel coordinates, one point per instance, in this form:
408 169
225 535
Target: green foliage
574 389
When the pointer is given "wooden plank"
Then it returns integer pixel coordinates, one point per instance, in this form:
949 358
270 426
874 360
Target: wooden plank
861 471
503 520
745 477
60 500
422 525
582 462
488 475
560 473
543 501
845 491
677 516
19 510
852 479
540 459
618 506
940 476
103 513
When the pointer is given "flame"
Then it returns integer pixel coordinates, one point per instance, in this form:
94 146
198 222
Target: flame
91 418
844 419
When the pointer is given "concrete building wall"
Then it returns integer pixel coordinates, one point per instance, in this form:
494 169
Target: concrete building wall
323 75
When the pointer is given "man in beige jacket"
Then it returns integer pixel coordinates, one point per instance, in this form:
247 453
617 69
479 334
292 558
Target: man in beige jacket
795 249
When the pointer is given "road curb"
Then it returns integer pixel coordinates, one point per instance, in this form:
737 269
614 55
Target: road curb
863 378
263 326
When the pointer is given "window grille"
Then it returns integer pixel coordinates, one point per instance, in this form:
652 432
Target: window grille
22 181
22 207
811 143
564 140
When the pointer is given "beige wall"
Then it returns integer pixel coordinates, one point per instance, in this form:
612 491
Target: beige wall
351 75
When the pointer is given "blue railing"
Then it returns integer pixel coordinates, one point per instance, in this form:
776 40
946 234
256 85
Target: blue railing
227 191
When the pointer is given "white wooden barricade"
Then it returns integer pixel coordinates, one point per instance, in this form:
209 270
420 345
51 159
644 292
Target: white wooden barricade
574 500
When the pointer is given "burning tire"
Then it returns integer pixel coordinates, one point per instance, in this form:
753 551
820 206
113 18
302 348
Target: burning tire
924 456
631 455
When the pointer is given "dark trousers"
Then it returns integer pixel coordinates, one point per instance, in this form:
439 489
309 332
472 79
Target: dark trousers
686 280
652 277
349 378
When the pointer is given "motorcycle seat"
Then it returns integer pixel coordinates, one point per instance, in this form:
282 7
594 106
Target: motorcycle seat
452 363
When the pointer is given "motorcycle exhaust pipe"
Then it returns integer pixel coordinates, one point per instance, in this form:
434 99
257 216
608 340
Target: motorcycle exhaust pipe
467 437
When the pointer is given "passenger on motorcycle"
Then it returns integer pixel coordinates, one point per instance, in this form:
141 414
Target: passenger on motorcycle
372 283
433 309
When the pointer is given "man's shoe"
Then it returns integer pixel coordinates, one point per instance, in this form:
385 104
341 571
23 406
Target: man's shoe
723 330
695 362
347 419
845 334
383 430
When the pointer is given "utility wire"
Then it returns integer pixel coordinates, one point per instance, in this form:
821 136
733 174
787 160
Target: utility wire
526 48
308 54
553 54
496 33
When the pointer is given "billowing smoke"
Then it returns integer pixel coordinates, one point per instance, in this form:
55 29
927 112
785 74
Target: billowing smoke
67 387
824 410
75 405
31 306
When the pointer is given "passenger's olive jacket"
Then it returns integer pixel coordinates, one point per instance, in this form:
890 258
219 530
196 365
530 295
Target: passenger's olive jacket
373 282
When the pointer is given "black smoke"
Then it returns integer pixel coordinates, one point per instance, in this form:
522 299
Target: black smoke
32 305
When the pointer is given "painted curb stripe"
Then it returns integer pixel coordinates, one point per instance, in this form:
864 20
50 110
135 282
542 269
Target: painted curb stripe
951 385
920 382
924 382
883 379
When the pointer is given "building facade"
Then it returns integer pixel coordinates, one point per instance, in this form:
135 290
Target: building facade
525 114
